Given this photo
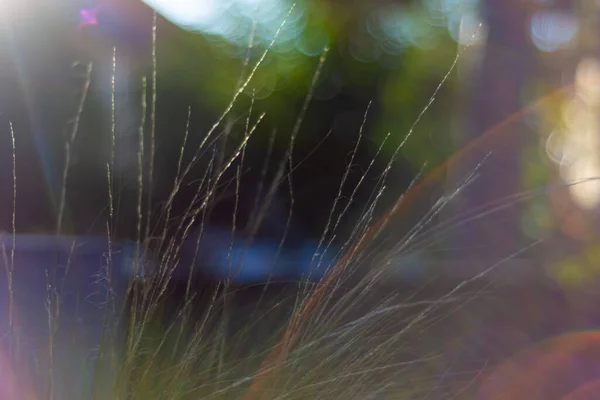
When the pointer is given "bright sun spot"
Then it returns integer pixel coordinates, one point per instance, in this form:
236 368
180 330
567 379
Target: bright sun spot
579 150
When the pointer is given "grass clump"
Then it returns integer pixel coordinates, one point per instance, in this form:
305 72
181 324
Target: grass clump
347 335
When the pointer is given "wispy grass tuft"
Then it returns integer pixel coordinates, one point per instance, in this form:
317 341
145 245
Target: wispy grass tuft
349 336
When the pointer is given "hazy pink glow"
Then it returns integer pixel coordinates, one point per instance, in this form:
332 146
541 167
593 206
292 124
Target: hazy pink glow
9 386
588 391
88 16
566 367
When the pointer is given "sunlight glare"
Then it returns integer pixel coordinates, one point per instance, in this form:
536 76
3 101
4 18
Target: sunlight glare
578 147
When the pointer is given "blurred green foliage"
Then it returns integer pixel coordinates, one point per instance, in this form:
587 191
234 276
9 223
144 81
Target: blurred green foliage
400 83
